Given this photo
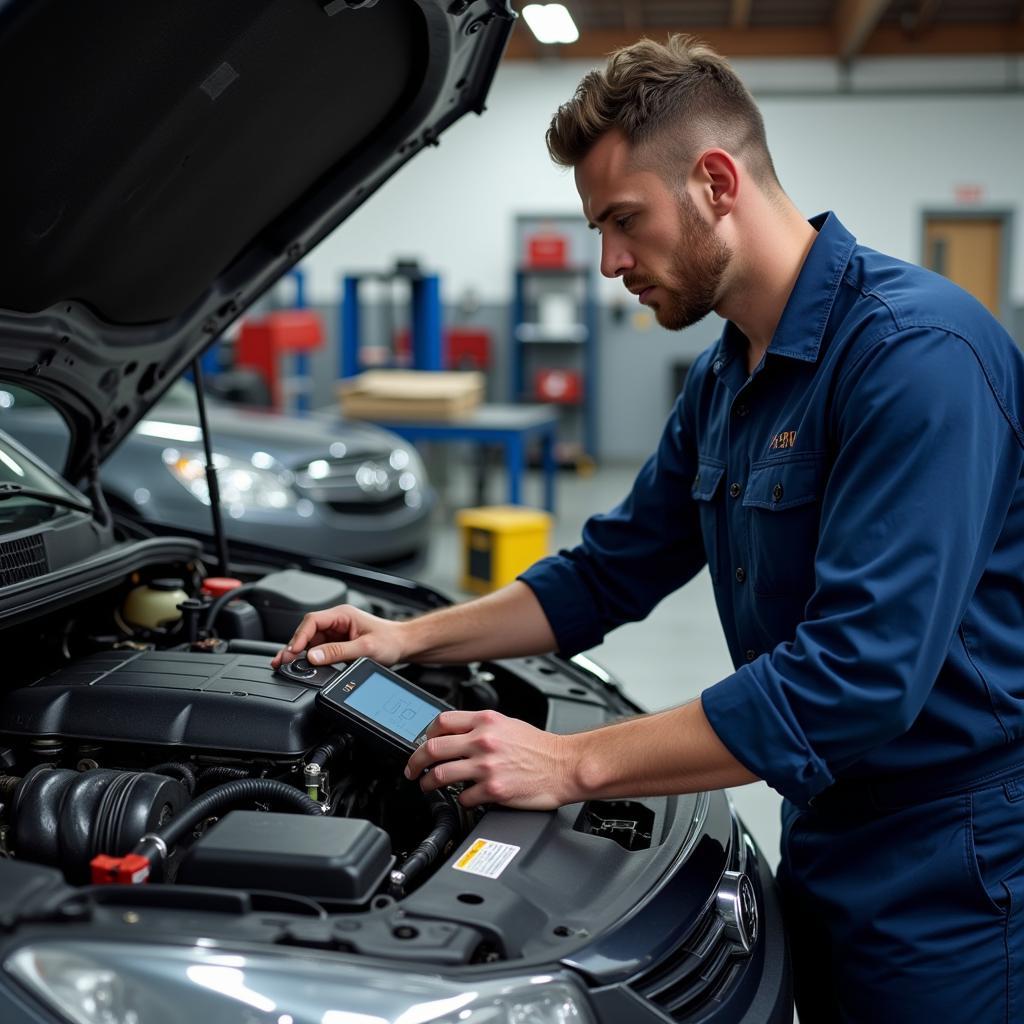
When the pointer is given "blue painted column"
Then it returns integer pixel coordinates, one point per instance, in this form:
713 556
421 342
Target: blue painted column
300 365
427 347
210 361
348 321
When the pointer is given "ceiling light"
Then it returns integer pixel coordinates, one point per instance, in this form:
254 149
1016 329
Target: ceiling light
551 23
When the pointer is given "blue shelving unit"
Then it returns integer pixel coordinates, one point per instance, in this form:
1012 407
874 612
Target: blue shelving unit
568 343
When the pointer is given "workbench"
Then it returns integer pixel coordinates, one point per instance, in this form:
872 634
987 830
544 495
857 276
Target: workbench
511 426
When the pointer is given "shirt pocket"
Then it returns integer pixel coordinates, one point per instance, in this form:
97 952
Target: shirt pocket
704 491
782 503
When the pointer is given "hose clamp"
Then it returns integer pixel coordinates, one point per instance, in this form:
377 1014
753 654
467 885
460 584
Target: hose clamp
161 846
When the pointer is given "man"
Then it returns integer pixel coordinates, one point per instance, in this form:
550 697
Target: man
847 459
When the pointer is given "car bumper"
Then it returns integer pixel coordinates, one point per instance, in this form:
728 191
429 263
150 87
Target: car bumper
685 968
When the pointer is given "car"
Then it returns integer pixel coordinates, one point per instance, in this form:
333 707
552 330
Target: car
186 833
315 484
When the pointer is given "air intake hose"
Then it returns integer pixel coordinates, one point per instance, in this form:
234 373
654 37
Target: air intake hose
64 818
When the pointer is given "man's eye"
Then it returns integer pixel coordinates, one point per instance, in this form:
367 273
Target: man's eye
624 222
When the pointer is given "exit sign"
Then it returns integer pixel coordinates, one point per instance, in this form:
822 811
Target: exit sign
969 193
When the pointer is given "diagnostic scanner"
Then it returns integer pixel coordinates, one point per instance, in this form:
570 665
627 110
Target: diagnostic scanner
378 704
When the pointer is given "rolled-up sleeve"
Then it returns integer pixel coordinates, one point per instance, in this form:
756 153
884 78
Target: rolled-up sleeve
629 558
925 464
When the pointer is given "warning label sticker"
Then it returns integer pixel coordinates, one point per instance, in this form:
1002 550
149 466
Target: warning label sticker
486 857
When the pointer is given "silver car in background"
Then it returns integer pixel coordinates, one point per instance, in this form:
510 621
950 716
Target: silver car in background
315 485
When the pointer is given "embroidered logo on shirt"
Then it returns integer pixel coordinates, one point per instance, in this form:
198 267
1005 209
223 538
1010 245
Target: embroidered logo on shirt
787 439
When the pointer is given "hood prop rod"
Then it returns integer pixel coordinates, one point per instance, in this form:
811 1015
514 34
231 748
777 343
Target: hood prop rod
94 490
211 471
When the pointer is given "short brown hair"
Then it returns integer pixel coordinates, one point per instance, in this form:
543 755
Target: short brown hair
673 98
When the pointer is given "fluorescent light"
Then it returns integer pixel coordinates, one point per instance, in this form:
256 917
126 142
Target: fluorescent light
169 431
551 23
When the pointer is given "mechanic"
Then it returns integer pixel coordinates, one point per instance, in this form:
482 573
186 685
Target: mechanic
847 460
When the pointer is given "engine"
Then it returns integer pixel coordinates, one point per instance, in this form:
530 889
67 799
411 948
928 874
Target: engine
146 737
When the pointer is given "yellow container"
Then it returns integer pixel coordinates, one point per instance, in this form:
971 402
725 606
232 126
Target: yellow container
499 542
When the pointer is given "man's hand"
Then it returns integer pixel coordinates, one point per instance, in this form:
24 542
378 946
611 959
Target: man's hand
512 763
508 762
343 633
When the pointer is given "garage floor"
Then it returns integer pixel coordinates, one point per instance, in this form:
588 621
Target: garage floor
665 660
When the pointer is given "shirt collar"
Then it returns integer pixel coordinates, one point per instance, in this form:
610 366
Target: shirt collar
802 326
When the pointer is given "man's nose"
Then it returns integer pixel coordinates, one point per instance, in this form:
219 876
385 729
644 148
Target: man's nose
615 258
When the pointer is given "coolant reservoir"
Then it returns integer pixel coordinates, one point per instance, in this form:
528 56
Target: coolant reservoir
154 604
215 586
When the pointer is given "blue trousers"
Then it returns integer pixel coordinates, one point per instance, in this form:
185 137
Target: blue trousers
909 912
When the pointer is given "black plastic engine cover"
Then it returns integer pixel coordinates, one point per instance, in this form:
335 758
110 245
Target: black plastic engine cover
228 703
340 859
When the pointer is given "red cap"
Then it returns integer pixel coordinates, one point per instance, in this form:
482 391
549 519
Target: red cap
214 586
131 869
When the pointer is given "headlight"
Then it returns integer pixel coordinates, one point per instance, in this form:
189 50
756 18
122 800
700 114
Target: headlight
119 983
245 485
408 464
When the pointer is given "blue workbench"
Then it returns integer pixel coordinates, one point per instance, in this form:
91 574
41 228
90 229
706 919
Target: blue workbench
511 426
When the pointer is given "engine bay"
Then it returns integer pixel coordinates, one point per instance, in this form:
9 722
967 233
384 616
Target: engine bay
153 762
143 731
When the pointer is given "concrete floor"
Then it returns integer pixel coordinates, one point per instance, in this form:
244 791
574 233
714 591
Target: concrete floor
665 660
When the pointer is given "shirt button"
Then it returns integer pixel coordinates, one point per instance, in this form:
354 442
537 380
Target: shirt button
751 655
777 492
716 366
741 410
741 574
734 490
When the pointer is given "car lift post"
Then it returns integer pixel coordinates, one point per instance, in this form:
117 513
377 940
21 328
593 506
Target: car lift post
427 348
300 366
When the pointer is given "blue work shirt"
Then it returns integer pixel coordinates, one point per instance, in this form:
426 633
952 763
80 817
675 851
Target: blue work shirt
859 501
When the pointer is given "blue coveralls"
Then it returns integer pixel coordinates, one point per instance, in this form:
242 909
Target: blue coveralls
859 501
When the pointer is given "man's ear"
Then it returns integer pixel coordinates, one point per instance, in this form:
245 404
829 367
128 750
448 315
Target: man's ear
718 177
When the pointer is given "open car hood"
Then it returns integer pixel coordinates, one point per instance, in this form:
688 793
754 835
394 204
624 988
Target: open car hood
165 164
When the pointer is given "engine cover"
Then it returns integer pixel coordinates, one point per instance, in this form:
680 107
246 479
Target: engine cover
225 703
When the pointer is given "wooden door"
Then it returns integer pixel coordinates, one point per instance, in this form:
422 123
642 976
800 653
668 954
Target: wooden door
969 251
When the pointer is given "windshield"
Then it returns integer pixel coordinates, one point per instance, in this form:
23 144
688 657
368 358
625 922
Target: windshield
38 426
24 510
35 424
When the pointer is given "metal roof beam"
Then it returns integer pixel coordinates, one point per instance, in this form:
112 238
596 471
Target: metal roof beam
739 14
888 40
926 11
855 21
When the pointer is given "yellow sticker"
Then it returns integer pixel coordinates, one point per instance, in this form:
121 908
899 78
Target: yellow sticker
486 857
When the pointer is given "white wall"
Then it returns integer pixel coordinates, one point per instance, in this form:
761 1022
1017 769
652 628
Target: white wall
877 161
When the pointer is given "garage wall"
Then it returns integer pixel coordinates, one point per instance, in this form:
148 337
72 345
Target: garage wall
878 161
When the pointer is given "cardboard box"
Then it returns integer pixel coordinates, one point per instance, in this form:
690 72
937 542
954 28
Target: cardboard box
411 394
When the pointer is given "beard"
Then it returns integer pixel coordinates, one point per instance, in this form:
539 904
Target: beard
696 272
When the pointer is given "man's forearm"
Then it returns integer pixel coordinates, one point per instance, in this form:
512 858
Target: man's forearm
674 751
506 624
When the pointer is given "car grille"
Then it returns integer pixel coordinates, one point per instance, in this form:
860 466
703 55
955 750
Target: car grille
696 973
351 507
22 559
